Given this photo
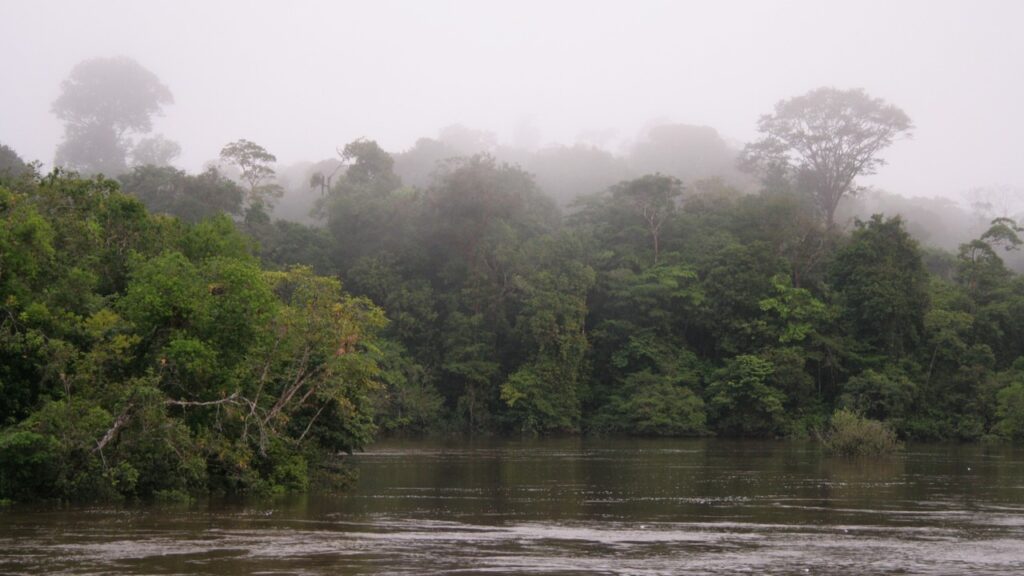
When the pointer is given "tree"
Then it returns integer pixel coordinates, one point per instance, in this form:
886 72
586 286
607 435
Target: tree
1010 411
551 285
660 407
475 200
743 402
793 312
737 282
155 151
103 102
882 284
254 161
690 153
167 190
11 165
370 166
416 166
653 198
364 207
825 139
567 173
996 295
140 355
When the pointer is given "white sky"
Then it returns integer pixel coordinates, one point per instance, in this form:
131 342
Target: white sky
301 77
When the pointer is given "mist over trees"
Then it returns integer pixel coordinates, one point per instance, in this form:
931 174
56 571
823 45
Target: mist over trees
254 165
193 198
824 140
163 333
11 165
104 103
155 151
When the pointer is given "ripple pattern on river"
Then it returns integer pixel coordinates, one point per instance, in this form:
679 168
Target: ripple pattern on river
566 507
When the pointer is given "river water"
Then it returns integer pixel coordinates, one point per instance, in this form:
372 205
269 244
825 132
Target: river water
573 506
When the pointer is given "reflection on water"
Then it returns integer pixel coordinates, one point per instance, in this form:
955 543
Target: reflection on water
574 507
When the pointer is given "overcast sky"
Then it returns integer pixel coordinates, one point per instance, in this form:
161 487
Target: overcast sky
301 77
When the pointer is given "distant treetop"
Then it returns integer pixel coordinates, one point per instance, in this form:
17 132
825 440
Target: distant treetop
824 140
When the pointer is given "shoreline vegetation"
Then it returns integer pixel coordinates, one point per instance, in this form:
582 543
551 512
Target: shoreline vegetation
162 334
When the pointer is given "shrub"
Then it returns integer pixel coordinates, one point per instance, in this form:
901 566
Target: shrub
28 464
853 435
1010 412
743 403
661 408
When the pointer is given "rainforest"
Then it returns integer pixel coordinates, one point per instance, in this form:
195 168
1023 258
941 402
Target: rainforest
230 331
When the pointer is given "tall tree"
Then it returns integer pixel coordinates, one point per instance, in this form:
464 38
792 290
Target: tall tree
653 199
103 103
825 139
254 162
365 206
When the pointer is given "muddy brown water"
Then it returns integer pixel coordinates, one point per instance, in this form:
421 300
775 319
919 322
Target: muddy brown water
572 506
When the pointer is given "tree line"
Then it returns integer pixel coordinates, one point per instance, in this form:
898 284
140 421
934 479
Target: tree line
162 333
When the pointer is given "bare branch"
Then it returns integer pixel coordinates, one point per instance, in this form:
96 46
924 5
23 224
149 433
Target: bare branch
233 399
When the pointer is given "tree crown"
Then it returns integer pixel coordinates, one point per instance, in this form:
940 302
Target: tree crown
117 92
826 139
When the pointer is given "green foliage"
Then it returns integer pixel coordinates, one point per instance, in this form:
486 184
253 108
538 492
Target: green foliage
167 190
882 396
366 206
853 435
790 375
659 407
217 236
254 163
795 311
29 464
146 356
1010 412
551 287
143 357
882 287
11 165
742 401
652 200
542 399
737 281
407 400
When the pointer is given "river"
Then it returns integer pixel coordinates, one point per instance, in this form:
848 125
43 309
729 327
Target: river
573 506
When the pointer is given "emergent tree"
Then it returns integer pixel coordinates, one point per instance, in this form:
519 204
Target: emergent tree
103 102
825 139
254 163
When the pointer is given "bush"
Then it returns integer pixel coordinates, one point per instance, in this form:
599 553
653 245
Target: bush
29 465
651 405
885 395
854 435
742 401
1010 412
664 409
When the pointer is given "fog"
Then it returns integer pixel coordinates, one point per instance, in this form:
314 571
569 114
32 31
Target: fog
302 78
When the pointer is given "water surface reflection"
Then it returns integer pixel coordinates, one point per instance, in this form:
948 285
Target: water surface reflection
574 506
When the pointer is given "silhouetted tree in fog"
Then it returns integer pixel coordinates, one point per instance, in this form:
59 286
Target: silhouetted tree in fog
254 162
103 102
826 139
